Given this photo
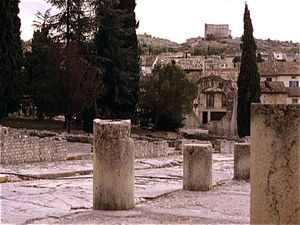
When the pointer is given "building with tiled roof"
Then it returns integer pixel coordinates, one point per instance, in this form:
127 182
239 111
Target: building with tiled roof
227 74
273 92
287 72
147 63
293 95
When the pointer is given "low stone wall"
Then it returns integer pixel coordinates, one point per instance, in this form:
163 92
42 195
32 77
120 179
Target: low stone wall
16 146
145 149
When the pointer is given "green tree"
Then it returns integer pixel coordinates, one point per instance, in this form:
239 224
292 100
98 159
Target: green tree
35 67
259 58
166 93
116 46
249 78
72 22
210 37
10 57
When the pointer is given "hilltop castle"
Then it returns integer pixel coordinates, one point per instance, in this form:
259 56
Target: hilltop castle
217 30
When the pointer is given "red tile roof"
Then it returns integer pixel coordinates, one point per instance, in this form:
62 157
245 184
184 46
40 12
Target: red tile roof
278 68
293 91
272 87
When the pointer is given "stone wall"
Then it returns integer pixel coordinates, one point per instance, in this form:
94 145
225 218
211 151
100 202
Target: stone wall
221 127
17 146
145 149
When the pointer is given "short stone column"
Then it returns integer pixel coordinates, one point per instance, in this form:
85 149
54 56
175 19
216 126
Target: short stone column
113 169
197 167
275 131
241 161
227 147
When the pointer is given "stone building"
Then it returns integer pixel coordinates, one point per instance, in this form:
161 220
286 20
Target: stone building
194 40
217 30
215 105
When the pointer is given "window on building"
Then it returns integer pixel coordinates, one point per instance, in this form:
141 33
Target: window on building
294 83
224 100
294 101
210 100
293 77
268 79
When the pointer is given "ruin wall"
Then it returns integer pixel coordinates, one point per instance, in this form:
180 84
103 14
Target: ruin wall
17 146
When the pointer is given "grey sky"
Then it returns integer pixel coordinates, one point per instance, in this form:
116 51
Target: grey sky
179 20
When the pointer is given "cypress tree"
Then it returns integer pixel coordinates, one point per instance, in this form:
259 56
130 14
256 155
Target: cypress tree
116 47
9 57
35 68
131 44
249 78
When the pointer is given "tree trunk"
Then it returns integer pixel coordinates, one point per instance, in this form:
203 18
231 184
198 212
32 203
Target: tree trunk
155 123
69 124
66 122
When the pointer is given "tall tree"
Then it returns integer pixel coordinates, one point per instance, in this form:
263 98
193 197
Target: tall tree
249 78
73 84
71 23
10 58
166 93
132 67
35 67
116 47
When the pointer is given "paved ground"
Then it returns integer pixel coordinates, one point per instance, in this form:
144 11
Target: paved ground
62 193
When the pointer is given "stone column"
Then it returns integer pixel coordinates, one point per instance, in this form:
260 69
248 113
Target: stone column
113 169
197 167
275 134
227 147
241 161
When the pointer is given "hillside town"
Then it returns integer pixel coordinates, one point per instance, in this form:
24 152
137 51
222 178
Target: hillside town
215 106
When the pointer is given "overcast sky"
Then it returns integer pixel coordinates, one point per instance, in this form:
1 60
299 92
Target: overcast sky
179 20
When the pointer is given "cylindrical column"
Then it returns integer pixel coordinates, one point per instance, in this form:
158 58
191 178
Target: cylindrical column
241 161
274 158
113 169
197 167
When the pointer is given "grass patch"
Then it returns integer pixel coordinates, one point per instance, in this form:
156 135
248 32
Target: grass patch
35 124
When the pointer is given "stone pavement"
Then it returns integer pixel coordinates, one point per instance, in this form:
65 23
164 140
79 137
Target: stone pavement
62 192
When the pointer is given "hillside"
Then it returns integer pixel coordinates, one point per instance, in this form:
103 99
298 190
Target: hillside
147 39
156 45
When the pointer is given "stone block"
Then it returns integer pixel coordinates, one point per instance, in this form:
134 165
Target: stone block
197 167
241 161
227 147
275 183
178 145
